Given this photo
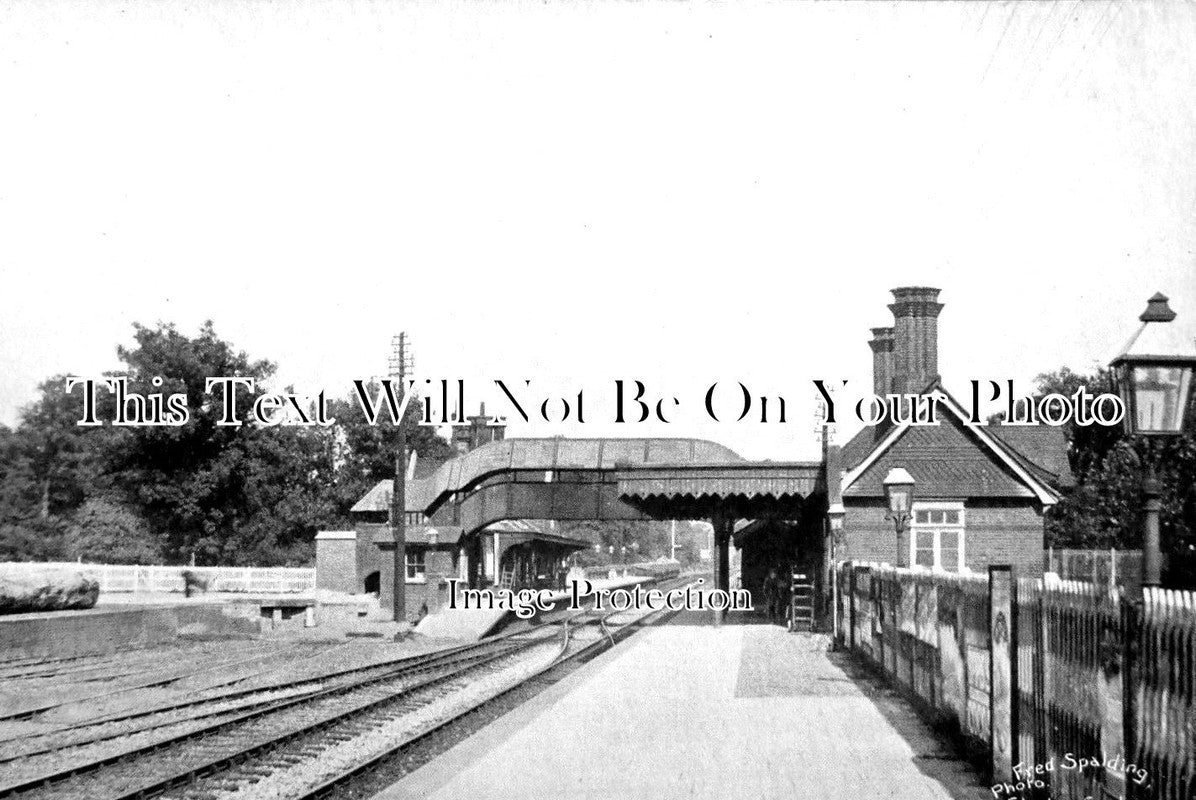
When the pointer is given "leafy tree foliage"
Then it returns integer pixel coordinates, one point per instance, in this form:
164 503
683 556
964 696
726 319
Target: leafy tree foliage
105 532
620 542
216 493
32 539
1104 509
366 452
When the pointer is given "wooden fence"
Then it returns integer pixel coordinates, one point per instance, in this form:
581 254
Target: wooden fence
1070 689
1106 568
152 579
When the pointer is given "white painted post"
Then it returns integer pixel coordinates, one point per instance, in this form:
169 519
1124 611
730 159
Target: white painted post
1003 651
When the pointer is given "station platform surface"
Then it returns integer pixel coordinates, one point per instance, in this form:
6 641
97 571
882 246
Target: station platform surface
687 710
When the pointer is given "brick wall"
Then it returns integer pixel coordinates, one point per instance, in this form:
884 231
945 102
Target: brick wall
369 558
439 568
995 533
1005 534
336 565
438 564
867 535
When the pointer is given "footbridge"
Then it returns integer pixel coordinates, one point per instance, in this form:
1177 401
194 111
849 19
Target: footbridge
619 479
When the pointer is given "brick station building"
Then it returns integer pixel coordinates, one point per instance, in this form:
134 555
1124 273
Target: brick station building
981 492
981 496
515 553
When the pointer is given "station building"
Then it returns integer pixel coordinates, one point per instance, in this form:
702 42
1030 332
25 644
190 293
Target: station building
981 494
515 553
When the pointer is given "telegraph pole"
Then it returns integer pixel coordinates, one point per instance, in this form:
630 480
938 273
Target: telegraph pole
401 363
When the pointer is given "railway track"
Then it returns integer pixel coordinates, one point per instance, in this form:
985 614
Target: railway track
302 740
610 630
90 668
58 767
110 677
245 695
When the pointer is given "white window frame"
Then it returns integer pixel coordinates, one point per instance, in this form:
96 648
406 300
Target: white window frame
422 575
938 528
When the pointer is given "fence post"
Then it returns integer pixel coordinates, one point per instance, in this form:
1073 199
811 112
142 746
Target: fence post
845 602
851 607
1110 676
1001 632
1132 610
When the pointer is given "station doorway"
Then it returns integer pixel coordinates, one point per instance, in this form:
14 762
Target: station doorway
786 546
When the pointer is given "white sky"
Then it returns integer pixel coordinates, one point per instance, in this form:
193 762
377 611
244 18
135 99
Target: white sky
574 191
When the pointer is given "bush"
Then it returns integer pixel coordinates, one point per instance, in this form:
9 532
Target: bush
105 532
32 540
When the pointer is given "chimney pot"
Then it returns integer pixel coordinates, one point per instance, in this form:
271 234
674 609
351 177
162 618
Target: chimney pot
915 338
882 360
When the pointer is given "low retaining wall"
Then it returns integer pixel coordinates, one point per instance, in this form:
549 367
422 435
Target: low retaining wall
98 631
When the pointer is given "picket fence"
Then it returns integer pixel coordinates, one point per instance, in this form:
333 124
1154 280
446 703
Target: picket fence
1103 567
155 579
1069 690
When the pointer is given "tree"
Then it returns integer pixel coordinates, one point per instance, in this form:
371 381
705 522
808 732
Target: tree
47 466
57 460
104 531
1089 444
1104 508
625 541
221 494
366 452
32 539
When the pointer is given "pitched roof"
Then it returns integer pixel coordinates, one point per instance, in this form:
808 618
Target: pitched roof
946 460
1042 447
427 466
954 459
378 498
858 447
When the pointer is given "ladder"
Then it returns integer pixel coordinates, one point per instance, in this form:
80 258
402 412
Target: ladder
801 603
507 579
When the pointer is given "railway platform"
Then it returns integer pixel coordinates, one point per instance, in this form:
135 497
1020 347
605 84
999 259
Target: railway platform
687 710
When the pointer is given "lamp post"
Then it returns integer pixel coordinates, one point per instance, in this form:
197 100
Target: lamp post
899 494
834 517
1153 376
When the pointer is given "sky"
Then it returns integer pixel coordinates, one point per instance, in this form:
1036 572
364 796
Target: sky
575 193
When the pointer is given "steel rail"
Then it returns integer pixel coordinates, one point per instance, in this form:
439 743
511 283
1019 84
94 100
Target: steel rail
242 753
438 659
450 663
323 790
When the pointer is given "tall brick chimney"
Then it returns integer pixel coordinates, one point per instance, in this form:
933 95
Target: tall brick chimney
915 338
882 360
479 432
